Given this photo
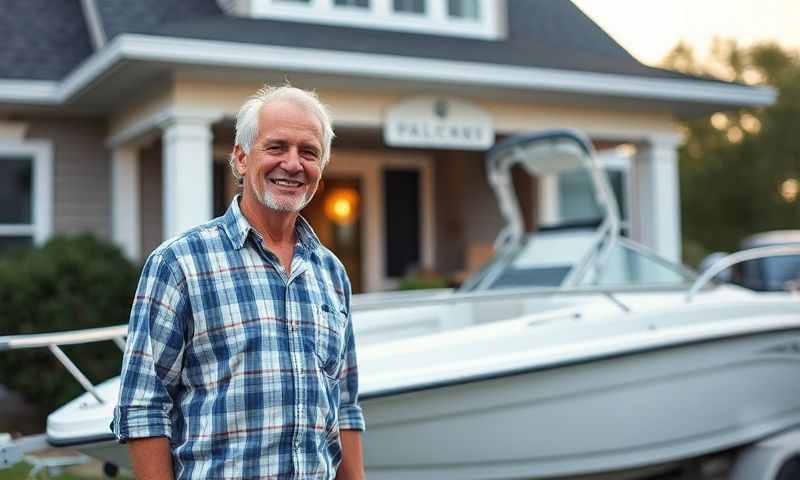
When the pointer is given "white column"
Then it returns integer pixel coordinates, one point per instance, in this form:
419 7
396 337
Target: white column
125 218
187 173
547 199
657 215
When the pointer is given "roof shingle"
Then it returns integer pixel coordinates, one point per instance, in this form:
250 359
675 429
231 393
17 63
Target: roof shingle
42 39
47 39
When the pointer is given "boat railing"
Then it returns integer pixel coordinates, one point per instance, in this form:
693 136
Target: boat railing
54 341
742 256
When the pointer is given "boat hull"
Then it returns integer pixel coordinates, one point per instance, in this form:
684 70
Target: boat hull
645 400
610 415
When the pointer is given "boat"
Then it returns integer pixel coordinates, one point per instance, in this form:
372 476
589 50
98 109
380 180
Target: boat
575 352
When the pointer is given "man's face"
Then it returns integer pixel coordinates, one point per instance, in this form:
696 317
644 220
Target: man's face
284 166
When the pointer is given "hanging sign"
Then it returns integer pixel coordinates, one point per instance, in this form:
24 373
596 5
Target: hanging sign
438 122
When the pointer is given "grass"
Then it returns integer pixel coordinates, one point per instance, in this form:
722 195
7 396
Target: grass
20 472
90 471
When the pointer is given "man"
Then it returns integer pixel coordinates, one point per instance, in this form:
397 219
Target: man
240 361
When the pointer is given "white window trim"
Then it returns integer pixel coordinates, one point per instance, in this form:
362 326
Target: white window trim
381 15
41 151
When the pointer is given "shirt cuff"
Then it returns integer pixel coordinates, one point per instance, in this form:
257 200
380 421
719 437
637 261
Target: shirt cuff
351 418
141 422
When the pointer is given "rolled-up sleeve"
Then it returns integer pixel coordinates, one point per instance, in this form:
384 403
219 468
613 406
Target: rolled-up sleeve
351 416
151 366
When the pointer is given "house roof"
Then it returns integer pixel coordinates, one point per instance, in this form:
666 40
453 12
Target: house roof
42 39
46 40
553 34
550 46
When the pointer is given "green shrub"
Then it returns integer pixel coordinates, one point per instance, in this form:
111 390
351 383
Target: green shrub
422 280
69 283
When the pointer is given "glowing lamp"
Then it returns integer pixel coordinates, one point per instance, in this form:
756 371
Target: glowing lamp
341 205
789 189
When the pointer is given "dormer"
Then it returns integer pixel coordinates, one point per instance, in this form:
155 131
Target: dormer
483 19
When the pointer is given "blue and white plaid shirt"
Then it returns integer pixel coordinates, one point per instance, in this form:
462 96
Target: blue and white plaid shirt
248 372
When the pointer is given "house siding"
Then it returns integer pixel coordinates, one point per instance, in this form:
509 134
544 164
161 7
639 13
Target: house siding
81 174
466 209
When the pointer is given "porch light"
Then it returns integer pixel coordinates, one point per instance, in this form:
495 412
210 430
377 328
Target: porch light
789 189
627 149
341 205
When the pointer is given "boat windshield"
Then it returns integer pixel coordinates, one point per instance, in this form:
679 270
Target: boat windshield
629 265
547 260
544 260
564 254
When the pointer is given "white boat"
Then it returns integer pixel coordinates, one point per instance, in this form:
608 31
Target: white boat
575 352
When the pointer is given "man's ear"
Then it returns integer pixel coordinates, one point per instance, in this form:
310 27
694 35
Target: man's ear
240 160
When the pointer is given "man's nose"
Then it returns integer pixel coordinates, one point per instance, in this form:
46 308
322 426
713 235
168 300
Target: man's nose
291 162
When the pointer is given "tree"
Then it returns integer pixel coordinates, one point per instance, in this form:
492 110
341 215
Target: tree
740 169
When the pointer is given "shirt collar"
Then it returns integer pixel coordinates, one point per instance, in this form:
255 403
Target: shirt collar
238 228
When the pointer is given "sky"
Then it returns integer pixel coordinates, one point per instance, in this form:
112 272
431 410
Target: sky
648 29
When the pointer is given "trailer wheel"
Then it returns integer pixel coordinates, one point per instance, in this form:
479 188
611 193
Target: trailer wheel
110 470
790 470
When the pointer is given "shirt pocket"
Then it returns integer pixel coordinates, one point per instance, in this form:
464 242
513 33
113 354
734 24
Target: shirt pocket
329 324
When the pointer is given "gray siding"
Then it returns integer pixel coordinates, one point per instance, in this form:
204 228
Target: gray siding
81 173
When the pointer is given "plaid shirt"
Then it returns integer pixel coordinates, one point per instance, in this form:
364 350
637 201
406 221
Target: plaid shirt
249 372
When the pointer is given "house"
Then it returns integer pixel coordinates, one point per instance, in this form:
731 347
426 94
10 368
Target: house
117 118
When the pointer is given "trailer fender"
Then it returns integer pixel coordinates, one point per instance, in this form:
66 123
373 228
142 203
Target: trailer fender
774 458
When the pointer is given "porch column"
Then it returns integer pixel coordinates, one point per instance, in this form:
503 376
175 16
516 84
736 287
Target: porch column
187 173
657 197
125 219
547 200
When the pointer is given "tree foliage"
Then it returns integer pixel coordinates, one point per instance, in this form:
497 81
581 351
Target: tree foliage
67 284
738 168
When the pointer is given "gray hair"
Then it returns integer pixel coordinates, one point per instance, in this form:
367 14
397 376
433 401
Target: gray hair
247 118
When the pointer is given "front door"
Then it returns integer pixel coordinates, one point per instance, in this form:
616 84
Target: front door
335 215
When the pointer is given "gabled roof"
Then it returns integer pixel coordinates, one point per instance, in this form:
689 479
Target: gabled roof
42 39
551 46
46 40
147 16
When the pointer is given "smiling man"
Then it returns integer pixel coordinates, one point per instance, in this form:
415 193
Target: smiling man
240 361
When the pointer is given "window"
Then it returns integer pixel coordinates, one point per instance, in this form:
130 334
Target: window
577 198
771 274
352 3
467 9
25 194
409 6
16 178
401 211
484 19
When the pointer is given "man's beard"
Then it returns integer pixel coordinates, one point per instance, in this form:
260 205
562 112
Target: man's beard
284 204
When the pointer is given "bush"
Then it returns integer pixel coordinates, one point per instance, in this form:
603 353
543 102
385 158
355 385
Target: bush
422 280
67 284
